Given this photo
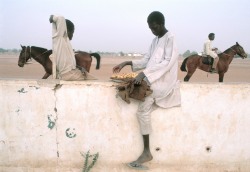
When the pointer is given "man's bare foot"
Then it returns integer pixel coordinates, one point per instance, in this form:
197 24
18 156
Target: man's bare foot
145 157
137 166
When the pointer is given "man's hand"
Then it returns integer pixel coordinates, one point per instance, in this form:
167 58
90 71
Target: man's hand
139 78
119 67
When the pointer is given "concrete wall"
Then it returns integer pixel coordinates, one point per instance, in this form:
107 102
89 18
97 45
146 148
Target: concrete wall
45 125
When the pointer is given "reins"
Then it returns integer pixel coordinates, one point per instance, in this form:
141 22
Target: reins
25 55
228 54
30 53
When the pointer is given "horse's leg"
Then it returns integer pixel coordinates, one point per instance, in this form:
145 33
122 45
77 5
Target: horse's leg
221 76
189 75
186 78
191 68
46 75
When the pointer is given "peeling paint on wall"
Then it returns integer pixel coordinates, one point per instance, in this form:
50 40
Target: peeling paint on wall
70 133
51 121
18 110
35 87
57 86
22 91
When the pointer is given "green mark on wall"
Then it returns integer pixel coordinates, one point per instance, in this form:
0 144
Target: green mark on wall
70 133
52 122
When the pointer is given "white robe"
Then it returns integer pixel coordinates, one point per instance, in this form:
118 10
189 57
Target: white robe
161 69
62 50
208 49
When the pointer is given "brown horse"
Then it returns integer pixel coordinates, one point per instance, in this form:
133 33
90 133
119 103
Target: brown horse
196 61
41 55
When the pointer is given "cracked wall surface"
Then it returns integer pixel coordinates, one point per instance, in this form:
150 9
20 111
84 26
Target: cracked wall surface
46 125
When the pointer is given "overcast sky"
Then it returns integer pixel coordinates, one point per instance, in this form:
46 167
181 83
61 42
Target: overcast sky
121 25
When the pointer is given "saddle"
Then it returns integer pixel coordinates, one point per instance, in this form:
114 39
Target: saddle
208 60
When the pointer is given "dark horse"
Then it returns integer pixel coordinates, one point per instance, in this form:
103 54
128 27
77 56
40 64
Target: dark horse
196 61
41 55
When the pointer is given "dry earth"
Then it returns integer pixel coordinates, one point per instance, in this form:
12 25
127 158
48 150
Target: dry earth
239 70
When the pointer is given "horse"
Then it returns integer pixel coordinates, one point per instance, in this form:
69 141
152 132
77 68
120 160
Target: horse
41 55
195 61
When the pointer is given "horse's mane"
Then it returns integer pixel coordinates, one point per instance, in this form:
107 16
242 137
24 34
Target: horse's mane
39 48
227 50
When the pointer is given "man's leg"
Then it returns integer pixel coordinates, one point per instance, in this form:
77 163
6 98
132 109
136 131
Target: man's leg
144 157
213 69
146 154
144 118
216 60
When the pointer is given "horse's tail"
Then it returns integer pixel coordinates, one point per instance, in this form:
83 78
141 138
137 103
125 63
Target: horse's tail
98 59
183 65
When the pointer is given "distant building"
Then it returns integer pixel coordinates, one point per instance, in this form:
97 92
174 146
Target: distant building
134 54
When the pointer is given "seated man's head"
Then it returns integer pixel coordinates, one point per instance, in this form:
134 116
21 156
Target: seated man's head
70 28
156 23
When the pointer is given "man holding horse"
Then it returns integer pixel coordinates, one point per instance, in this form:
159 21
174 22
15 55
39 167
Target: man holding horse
159 69
209 51
64 57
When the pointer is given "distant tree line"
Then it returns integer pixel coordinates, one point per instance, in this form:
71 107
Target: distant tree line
2 50
188 53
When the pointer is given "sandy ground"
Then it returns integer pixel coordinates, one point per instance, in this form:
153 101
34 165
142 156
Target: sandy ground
239 70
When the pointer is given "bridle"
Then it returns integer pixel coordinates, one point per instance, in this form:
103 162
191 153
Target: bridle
25 52
239 51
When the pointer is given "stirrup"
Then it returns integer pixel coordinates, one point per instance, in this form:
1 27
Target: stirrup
213 70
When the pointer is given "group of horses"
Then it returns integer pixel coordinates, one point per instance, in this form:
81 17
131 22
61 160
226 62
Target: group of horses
84 59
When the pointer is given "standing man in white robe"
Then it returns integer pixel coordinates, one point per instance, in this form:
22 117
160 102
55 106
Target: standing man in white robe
208 50
64 57
159 68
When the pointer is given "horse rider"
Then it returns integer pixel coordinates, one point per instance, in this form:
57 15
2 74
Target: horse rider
209 51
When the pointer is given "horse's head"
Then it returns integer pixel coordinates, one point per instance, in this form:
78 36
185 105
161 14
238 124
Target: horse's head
239 50
24 56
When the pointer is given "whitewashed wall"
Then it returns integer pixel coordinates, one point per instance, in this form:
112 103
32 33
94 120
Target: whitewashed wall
45 125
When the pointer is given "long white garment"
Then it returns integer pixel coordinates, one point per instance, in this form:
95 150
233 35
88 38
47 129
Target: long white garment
208 49
161 69
62 49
